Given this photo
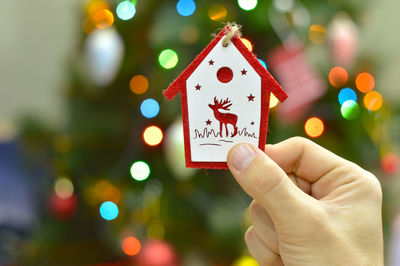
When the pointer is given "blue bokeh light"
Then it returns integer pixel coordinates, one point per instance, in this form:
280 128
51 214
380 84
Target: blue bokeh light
263 63
109 210
185 7
149 108
347 94
126 10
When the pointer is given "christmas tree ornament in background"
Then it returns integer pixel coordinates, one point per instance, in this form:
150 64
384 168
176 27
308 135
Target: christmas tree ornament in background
104 50
175 151
225 96
343 39
157 253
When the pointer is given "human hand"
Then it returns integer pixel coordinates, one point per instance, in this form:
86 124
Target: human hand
310 206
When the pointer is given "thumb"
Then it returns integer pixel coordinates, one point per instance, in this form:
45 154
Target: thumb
267 183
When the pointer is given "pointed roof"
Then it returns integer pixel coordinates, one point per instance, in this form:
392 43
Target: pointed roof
267 81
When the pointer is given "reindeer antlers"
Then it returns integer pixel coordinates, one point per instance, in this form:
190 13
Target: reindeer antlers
223 104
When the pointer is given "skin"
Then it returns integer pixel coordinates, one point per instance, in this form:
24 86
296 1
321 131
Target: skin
310 207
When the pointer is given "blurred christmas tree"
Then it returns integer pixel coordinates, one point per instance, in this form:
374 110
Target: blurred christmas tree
118 192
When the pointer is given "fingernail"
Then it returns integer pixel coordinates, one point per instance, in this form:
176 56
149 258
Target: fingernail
241 156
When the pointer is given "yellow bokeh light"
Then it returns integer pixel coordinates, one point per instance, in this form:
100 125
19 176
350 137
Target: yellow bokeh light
155 230
314 127
153 135
338 76
245 261
365 82
247 43
88 25
139 84
317 34
217 12
103 19
373 100
64 188
273 101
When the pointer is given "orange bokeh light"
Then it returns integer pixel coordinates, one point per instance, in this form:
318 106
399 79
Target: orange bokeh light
217 12
139 84
247 43
95 6
365 82
373 100
103 19
314 127
338 76
153 135
131 246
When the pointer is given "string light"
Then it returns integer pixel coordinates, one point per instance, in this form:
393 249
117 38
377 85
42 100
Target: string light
314 127
149 108
247 5
126 10
103 19
186 7
373 101
347 94
64 188
109 210
168 59
245 261
139 84
317 34
350 110
338 76
140 171
273 101
247 43
365 82
152 135
263 63
217 12
95 6
131 246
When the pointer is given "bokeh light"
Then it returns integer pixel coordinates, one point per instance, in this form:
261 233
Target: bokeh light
245 261
149 108
95 6
247 43
247 4
64 188
338 76
390 163
263 63
131 246
317 34
186 7
103 19
284 5
155 230
125 10
189 34
350 110
109 210
373 101
347 94
273 101
217 12
139 84
168 59
153 135
365 82
314 127
140 170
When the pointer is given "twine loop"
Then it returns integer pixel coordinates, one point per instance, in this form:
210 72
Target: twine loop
230 32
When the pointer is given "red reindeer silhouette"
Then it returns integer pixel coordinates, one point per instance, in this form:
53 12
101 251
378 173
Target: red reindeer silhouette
224 118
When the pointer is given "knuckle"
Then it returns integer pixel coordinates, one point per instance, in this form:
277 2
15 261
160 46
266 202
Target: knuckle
249 235
254 210
372 185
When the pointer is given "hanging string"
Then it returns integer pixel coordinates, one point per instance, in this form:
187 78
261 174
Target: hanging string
234 29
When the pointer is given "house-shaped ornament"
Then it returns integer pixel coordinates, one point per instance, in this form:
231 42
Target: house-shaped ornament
225 96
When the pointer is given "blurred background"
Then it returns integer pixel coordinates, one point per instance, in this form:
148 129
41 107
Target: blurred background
91 154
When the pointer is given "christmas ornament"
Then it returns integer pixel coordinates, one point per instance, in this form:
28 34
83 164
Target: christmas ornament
104 51
225 95
157 253
63 208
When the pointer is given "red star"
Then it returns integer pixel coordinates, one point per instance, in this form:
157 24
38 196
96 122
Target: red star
208 122
211 62
252 123
244 71
197 87
251 97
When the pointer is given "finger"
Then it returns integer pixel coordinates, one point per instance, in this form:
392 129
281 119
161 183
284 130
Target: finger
263 226
304 185
266 182
261 253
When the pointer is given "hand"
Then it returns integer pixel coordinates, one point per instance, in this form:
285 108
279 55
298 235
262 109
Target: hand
310 206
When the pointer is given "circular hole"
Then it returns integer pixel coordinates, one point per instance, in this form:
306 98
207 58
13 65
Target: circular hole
225 74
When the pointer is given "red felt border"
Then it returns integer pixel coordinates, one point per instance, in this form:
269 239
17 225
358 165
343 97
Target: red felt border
268 84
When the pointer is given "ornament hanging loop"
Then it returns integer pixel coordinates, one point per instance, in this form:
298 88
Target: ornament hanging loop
233 29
